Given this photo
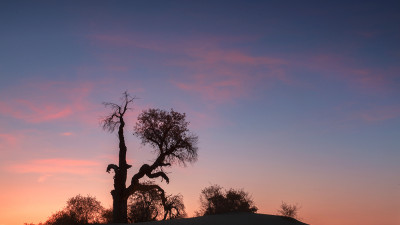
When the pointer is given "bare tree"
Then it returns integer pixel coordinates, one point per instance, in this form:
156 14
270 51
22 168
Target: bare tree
168 134
288 210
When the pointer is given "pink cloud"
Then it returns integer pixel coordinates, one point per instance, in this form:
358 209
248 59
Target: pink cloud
356 75
67 134
212 72
56 166
217 73
222 75
219 88
34 112
48 101
132 41
347 114
215 54
43 178
379 113
8 138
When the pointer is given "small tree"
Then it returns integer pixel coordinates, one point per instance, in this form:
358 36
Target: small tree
79 210
174 207
107 216
87 209
288 210
168 134
144 206
63 218
215 200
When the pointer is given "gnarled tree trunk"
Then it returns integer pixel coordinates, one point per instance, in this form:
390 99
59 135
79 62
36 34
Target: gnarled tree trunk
172 140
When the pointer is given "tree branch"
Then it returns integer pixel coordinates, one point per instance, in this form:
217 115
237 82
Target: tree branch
112 166
159 174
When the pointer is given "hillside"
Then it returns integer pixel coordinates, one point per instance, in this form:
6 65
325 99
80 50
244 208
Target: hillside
230 219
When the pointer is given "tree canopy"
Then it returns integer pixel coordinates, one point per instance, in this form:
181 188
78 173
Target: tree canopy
79 210
215 200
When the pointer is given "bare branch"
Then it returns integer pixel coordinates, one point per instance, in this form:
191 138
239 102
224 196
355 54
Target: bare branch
159 174
127 99
112 166
110 122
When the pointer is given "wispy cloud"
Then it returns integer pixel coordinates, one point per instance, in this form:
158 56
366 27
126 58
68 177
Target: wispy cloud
8 138
217 71
67 134
48 167
8 142
48 101
224 75
211 71
379 113
357 75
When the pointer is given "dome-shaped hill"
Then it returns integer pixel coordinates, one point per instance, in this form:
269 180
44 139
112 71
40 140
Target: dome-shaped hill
231 219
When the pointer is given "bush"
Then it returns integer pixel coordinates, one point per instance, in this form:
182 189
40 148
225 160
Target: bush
144 206
288 210
215 200
79 210
64 218
107 216
174 207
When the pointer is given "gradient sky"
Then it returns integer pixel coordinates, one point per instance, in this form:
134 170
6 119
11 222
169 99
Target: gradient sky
295 101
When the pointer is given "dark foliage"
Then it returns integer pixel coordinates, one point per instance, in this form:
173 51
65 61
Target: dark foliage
107 216
288 210
144 206
147 206
174 207
215 200
64 218
168 133
79 210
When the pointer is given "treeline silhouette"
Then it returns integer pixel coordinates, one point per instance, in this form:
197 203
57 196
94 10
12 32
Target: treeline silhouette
147 206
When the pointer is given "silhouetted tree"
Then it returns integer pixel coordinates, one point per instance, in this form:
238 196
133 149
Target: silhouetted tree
174 207
215 200
144 206
288 210
79 210
63 218
166 132
107 216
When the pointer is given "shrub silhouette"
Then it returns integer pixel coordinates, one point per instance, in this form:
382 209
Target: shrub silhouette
215 200
174 207
107 216
288 210
64 218
146 206
79 210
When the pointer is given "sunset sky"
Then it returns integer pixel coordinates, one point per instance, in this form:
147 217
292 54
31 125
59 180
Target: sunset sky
294 101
